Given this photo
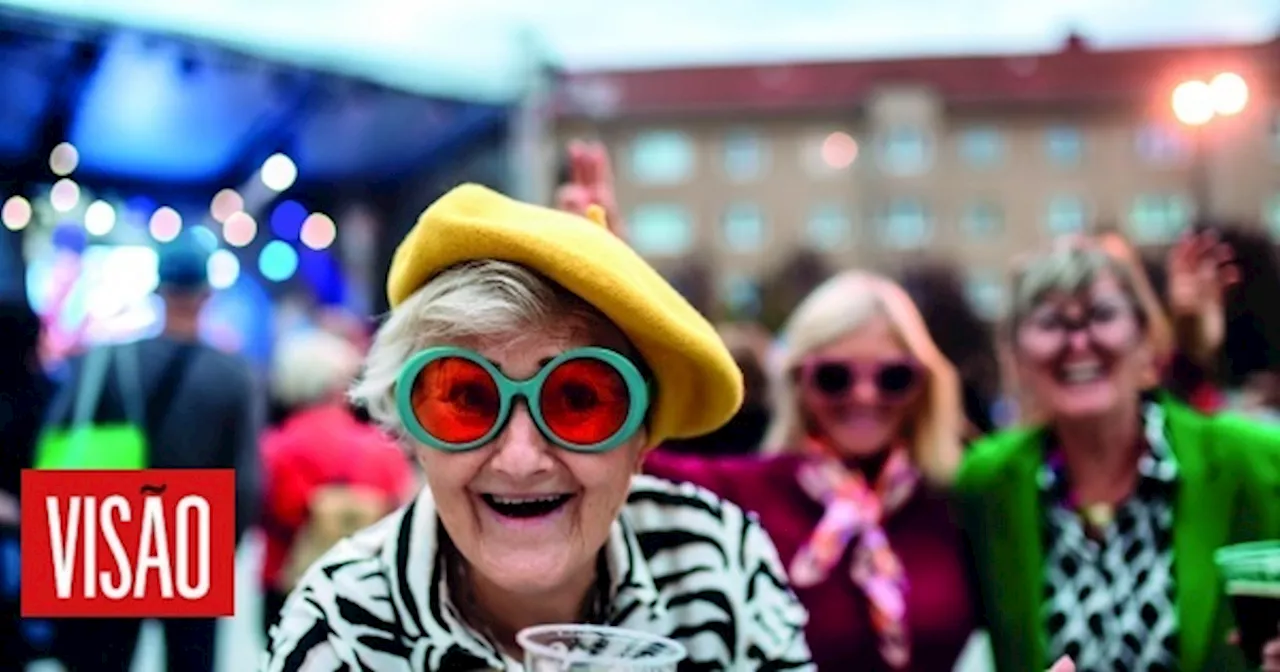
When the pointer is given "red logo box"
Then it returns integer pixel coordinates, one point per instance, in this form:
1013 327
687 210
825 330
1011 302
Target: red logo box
148 544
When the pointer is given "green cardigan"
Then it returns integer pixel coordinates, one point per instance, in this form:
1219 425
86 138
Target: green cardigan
1228 491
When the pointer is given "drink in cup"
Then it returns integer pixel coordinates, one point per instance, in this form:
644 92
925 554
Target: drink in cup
595 648
1251 575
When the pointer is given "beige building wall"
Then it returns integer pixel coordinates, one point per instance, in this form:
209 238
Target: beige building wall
975 185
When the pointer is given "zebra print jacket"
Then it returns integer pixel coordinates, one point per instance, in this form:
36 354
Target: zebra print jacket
683 564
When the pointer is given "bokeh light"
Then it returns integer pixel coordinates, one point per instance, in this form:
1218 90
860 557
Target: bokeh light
1193 103
224 269
279 172
226 203
287 219
165 224
318 231
64 195
64 159
16 213
278 261
839 150
1230 93
239 230
205 237
99 218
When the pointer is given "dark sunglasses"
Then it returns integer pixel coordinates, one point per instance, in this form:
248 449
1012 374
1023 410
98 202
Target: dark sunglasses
894 380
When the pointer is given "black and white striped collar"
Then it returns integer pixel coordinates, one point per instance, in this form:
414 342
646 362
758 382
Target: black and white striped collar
427 615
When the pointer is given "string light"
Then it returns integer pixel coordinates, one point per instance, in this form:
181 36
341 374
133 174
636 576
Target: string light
16 213
226 203
99 218
239 230
165 224
64 195
224 269
279 172
318 231
64 159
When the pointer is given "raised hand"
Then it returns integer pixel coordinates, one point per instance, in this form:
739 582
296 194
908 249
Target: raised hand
590 183
1200 268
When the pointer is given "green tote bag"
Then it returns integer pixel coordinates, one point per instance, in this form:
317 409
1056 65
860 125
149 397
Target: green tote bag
91 441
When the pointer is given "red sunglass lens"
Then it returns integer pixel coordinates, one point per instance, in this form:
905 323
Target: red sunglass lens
455 400
584 401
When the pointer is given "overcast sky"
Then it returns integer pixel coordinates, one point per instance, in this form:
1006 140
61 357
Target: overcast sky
592 33
468 47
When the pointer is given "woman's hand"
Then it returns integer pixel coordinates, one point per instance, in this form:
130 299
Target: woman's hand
1064 664
1200 268
590 183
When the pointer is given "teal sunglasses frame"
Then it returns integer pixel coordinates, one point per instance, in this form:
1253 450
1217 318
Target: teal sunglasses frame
529 389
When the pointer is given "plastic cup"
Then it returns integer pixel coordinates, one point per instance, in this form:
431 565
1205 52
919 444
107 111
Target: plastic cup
596 648
1251 575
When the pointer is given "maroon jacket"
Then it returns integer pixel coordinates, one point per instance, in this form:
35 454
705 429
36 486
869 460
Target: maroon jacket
941 613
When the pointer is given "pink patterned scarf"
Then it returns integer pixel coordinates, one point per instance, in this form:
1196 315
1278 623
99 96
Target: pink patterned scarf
854 514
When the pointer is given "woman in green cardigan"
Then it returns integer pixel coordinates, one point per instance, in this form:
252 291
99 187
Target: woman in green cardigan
1092 536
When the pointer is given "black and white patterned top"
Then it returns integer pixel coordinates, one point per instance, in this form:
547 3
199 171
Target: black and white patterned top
682 563
1109 598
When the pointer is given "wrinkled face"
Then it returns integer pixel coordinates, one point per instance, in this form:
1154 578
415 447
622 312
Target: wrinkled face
1083 356
858 392
530 517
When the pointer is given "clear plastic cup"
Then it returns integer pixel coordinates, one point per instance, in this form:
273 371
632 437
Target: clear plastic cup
596 648
1251 577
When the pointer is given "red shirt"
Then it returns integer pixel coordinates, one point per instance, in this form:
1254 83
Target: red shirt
317 447
941 611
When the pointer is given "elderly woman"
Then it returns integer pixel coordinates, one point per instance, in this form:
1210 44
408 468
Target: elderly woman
1093 534
530 360
865 439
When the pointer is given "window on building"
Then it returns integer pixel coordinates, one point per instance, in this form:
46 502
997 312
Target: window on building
1161 144
741 295
827 153
982 220
828 227
744 155
1271 215
744 227
1159 218
906 224
905 151
986 293
1064 146
661 157
982 147
1067 214
661 229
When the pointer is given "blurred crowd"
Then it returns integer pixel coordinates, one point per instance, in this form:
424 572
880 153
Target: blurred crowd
1130 358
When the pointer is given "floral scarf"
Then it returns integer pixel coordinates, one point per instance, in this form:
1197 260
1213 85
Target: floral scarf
854 514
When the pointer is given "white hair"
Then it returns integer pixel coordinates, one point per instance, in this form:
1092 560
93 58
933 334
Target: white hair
312 366
479 298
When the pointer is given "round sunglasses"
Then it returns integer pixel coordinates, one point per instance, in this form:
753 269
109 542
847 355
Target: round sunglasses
836 378
587 399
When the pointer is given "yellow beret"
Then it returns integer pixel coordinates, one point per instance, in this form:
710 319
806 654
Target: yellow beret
699 386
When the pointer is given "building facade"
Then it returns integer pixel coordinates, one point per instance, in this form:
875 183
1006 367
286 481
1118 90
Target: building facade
876 163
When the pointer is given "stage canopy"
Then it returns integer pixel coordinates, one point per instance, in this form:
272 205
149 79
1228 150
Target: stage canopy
197 94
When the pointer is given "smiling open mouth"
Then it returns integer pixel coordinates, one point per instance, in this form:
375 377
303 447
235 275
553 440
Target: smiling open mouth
525 507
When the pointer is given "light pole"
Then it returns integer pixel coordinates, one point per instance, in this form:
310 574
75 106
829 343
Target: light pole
1196 103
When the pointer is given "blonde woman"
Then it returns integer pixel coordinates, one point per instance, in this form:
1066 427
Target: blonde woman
865 436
